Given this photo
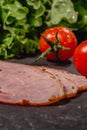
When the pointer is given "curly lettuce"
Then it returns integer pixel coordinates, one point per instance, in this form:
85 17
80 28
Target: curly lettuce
22 22
16 22
62 10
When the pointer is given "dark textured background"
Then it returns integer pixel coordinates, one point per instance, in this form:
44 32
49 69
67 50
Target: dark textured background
68 114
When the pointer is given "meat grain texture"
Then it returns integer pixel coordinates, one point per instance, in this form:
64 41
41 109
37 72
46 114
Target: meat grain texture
37 86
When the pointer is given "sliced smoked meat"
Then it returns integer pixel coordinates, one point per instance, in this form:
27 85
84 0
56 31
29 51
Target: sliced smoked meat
70 87
35 86
72 82
23 84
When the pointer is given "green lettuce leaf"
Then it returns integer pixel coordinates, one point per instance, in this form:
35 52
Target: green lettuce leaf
62 10
22 22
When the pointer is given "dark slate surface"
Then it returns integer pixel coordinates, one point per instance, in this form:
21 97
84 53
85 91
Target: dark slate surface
68 114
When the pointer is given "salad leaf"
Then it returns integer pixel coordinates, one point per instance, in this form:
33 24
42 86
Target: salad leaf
22 22
13 28
81 7
18 23
62 10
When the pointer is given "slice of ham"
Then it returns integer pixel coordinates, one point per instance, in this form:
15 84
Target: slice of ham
36 86
72 82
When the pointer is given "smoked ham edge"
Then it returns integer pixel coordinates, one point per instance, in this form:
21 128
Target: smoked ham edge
11 70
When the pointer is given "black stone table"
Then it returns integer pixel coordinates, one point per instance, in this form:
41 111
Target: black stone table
68 114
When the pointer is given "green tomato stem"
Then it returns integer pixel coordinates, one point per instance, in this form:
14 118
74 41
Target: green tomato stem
54 47
43 54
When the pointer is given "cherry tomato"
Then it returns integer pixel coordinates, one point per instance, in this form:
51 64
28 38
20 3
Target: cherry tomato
66 38
80 58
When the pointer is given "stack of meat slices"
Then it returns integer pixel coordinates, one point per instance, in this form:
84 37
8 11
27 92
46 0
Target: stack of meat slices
36 86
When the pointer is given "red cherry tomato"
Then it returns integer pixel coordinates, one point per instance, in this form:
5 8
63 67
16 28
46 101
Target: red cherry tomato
80 58
66 38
